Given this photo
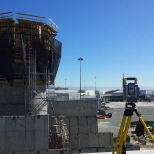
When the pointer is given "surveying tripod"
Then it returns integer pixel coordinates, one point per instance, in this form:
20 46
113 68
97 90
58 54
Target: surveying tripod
119 146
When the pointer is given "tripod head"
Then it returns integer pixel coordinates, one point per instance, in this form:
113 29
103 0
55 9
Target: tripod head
130 90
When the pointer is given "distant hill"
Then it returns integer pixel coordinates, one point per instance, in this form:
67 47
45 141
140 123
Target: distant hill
93 88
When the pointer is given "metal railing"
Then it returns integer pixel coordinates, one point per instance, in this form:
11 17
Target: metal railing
6 15
30 17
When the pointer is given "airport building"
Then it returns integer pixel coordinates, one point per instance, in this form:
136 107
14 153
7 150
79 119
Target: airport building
117 95
105 95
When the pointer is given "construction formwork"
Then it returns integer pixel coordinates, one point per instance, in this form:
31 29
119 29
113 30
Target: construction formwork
29 55
18 39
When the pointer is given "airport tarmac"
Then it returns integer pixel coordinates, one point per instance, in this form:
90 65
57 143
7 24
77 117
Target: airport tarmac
146 109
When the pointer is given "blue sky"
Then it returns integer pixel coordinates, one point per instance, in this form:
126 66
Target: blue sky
112 36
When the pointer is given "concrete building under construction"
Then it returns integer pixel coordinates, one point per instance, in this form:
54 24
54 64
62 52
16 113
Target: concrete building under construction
29 59
31 121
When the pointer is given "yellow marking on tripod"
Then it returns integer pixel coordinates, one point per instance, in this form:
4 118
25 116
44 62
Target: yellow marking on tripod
146 128
119 134
135 80
125 80
127 128
124 135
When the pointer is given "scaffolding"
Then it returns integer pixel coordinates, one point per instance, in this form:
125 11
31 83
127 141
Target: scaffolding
32 89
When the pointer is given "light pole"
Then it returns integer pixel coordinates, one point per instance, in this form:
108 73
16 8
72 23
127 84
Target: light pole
80 59
95 84
84 84
65 83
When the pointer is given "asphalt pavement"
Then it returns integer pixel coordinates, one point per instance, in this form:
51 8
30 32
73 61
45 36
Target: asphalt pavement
146 109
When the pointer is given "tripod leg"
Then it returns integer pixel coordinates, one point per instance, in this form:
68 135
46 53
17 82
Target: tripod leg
127 128
146 128
119 134
123 138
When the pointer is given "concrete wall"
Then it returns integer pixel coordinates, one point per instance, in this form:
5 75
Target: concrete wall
82 124
12 99
12 94
81 120
91 140
83 132
73 108
24 133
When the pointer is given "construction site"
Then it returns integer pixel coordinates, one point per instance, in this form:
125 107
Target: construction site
32 120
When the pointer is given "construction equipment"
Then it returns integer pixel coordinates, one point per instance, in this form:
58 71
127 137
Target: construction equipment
130 95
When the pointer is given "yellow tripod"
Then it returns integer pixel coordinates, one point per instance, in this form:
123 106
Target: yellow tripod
119 146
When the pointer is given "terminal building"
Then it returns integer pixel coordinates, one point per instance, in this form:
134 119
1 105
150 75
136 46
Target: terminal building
117 95
105 95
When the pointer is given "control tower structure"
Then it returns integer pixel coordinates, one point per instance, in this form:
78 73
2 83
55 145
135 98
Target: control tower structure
29 60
